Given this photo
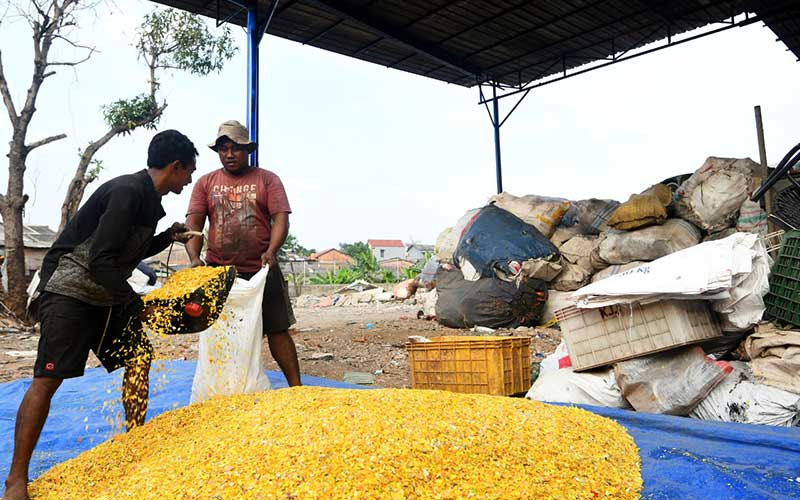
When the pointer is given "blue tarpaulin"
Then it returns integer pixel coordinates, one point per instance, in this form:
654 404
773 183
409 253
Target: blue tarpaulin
681 458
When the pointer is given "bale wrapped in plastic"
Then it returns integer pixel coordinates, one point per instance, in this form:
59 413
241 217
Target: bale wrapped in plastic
643 210
498 243
712 196
542 212
489 302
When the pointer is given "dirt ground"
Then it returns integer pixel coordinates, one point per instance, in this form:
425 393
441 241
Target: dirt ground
330 342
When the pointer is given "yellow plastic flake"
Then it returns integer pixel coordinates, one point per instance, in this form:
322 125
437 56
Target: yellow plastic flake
177 289
183 282
317 443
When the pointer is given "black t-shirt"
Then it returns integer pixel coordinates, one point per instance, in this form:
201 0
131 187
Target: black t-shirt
104 242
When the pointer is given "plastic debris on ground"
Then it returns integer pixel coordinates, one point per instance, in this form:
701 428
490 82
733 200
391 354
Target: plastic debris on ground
672 383
359 378
558 383
739 398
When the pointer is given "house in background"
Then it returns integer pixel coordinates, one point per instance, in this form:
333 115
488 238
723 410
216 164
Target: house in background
37 240
387 249
330 259
415 252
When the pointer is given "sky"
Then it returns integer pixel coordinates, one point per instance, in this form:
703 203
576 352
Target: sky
367 152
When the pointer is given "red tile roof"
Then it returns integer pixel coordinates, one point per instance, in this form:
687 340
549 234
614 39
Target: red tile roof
385 243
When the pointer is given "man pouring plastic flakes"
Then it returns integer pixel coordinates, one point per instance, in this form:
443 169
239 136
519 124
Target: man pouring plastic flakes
84 302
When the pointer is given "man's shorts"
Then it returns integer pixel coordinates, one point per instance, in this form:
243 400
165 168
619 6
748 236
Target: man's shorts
70 328
276 307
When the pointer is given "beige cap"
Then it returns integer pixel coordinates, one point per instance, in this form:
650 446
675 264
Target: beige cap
234 131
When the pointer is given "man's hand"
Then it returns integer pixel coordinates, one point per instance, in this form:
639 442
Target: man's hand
178 232
268 258
198 262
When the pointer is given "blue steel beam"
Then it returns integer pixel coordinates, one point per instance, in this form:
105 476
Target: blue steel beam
252 77
254 34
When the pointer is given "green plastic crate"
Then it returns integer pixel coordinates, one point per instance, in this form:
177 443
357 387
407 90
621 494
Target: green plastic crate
783 299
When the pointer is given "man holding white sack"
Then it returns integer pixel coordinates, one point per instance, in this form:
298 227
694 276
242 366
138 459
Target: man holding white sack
248 214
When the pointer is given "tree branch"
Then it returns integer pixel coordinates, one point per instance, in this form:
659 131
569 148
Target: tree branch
12 111
73 63
46 140
76 45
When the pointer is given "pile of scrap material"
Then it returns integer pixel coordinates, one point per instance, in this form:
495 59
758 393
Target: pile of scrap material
361 292
635 287
564 245
310 442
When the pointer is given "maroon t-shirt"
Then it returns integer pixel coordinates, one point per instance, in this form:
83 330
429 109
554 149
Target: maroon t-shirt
239 209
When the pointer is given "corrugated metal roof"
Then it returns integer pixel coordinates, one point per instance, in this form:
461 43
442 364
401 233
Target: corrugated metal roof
511 42
32 236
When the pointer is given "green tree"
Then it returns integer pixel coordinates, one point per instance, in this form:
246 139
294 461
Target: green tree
354 249
166 39
292 245
366 266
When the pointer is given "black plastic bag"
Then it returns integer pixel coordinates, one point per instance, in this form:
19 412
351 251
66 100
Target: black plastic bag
489 302
496 238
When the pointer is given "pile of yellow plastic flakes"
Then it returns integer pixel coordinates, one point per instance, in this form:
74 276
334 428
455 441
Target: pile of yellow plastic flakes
318 443
177 289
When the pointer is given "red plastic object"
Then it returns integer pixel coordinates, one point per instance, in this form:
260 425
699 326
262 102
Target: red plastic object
725 366
193 310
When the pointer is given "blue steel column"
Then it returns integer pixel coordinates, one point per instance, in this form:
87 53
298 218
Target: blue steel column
252 76
496 124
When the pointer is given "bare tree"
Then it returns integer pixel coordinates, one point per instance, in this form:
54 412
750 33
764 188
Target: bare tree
166 39
50 22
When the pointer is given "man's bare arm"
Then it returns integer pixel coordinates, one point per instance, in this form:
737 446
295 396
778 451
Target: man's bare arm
277 237
194 246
